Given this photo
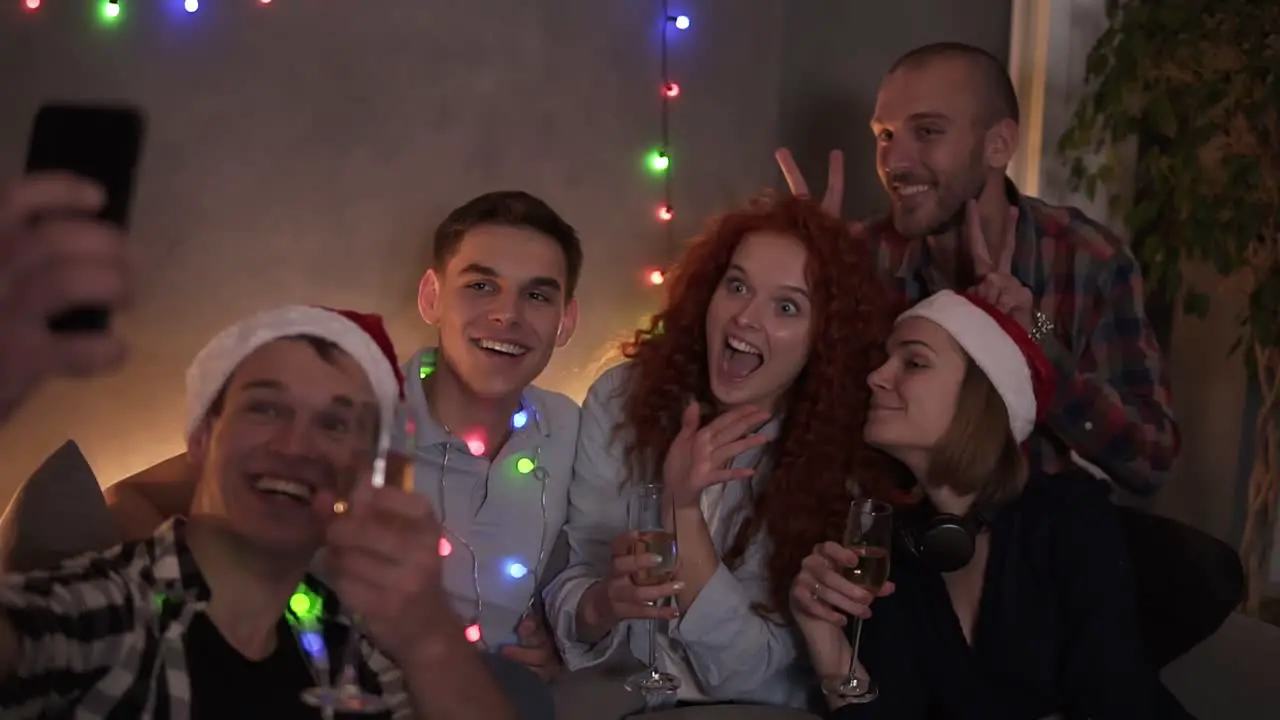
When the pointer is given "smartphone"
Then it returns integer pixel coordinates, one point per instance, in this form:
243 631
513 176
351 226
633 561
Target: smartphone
102 143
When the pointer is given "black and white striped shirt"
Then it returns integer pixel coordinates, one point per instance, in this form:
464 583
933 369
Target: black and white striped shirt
102 636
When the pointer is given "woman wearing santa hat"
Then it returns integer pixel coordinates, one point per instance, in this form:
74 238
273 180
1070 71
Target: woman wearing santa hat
1011 593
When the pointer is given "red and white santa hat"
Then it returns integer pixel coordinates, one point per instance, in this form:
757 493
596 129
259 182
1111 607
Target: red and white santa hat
362 336
1011 360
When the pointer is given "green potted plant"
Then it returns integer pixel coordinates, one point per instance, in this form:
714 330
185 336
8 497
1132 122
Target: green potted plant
1196 84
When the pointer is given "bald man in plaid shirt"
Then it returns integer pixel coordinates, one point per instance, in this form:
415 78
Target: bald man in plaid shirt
946 127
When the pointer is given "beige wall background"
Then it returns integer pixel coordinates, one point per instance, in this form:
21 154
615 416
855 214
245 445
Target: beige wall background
300 152
1049 41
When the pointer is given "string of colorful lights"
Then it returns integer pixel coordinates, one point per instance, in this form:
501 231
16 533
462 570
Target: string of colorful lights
660 158
110 9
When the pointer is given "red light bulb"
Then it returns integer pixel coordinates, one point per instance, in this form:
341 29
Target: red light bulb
665 213
444 547
32 4
473 633
671 90
656 277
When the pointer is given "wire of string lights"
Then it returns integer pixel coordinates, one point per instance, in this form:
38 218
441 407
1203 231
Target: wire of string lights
110 10
660 160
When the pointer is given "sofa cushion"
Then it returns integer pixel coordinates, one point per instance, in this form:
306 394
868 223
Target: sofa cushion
1232 675
1188 582
58 513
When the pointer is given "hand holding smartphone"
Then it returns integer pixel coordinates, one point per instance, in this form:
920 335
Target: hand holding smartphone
102 143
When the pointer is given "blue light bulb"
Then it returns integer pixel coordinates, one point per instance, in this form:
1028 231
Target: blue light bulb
519 419
313 643
517 570
682 22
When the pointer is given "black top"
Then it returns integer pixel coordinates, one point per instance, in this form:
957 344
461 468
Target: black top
226 684
1056 630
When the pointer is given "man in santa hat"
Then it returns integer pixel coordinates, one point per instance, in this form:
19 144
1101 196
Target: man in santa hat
493 452
204 617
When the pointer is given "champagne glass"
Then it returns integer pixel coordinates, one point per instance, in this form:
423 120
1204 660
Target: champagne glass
868 532
392 465
652 538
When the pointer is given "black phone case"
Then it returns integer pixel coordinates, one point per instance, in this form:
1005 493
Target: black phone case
99 142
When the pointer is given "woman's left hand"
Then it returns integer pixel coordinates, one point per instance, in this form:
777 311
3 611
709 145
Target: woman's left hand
700 457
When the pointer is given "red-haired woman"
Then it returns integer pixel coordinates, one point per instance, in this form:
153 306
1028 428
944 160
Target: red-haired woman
743 398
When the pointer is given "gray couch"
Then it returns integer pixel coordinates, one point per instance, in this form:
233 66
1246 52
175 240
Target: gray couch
60 512
1234 675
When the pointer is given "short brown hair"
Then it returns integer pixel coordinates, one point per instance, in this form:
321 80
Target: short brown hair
509 208
977 453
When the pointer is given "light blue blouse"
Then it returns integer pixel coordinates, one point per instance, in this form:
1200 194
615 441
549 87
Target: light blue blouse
735 653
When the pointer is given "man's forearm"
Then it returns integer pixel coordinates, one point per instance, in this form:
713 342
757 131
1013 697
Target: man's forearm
1131 436
141 502
447 680
134 516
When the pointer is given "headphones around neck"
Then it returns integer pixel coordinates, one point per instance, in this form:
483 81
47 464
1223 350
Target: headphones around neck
942 541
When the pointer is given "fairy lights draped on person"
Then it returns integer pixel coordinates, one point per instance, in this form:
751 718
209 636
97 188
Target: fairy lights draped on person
1013 593
755 363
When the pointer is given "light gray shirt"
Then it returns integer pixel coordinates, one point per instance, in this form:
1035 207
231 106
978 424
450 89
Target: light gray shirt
735 653
502 515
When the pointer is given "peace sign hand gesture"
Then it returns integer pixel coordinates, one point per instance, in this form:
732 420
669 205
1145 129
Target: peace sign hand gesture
701 457
834 197
996 283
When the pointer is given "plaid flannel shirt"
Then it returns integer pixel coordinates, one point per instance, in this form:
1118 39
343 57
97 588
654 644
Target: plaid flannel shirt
1111 405
102 636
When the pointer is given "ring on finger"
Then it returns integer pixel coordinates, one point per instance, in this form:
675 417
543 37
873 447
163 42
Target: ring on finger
817 589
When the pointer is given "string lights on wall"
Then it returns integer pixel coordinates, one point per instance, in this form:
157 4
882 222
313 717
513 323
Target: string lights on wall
658 161
660 158
111 9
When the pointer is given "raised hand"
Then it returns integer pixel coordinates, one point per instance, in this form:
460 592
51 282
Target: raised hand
386 564
700 457
54 256
833 198
996 283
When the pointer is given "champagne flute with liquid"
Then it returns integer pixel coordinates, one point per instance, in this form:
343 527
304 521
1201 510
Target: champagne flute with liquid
868 533
392 466
652 538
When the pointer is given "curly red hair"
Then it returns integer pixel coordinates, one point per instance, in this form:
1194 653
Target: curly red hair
819 455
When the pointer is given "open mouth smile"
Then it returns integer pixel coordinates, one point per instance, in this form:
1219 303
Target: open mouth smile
740 358
501 348
910 191
299 491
